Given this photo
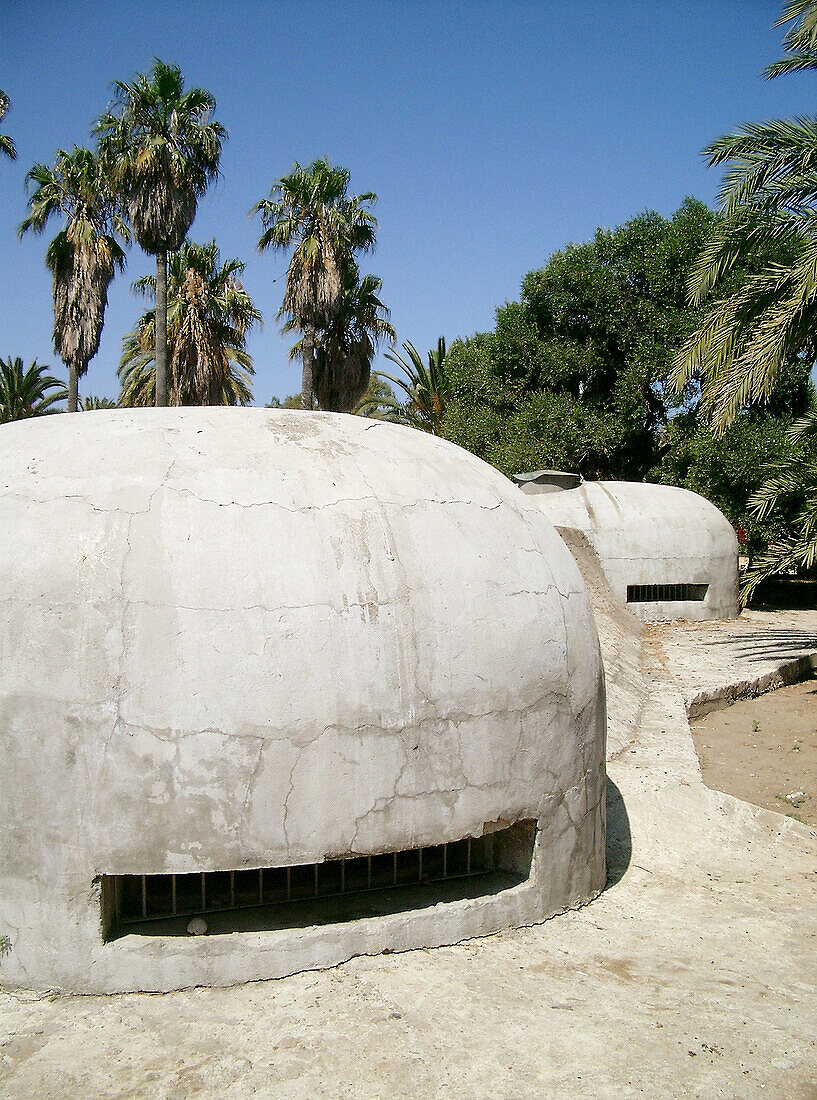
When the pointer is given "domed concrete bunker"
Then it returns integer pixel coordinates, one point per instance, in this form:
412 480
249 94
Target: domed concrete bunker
327 685
667 553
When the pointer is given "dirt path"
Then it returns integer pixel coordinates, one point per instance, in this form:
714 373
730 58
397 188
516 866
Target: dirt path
764 750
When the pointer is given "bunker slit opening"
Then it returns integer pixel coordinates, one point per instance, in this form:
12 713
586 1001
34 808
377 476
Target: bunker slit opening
335 890
666 593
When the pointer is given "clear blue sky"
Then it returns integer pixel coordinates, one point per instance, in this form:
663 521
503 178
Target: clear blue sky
493 133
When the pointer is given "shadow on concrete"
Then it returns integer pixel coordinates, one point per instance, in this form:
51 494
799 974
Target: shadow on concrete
768 645
619 838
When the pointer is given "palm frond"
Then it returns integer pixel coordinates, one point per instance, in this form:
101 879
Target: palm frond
799 41
6 144
27 392
427 389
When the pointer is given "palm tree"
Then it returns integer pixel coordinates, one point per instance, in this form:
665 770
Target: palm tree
792 480
82 257
30 392
800 40
91 404
427 389
378 401
162 151
345 348
209 317
769 203
311 211
6 144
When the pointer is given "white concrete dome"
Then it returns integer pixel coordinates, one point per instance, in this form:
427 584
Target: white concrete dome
239 639
667 553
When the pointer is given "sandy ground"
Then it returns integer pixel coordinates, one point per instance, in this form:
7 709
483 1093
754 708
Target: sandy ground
764 750
694 975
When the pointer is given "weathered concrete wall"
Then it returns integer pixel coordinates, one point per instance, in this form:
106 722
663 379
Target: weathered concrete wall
621 638
235 638
653 534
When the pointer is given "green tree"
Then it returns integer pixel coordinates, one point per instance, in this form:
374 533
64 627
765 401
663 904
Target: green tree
727 469
426 389
82 257
91 404
209 317
790 484
6 144
161 150
378 401
311 212
29 392
291 402
576 374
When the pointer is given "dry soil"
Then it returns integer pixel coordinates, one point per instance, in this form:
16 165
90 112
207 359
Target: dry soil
764 750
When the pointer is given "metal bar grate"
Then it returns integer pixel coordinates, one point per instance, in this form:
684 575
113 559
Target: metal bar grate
666 593
156 897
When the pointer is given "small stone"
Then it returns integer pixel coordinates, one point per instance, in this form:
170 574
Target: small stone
197 926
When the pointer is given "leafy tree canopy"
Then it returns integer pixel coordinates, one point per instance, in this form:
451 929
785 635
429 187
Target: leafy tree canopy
575 375
728 468
291 402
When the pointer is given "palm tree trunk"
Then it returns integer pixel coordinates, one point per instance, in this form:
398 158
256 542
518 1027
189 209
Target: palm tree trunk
73 374
161 329
308 357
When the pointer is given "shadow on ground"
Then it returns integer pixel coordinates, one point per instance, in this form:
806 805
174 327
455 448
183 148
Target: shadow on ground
619 838
768 645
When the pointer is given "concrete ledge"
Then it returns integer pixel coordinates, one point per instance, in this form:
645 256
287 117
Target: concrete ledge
788 673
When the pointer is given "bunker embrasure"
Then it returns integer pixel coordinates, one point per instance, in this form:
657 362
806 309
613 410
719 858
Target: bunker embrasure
240 641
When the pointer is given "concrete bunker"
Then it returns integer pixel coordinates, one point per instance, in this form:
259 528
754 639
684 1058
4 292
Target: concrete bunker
332 684
667 553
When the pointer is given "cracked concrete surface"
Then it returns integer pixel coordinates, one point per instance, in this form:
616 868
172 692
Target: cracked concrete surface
238 638
692 975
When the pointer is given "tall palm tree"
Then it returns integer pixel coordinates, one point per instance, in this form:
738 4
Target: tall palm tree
6 144
311 211
82 257
427 389
162 151
345 348
769 203
209 317
30 392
